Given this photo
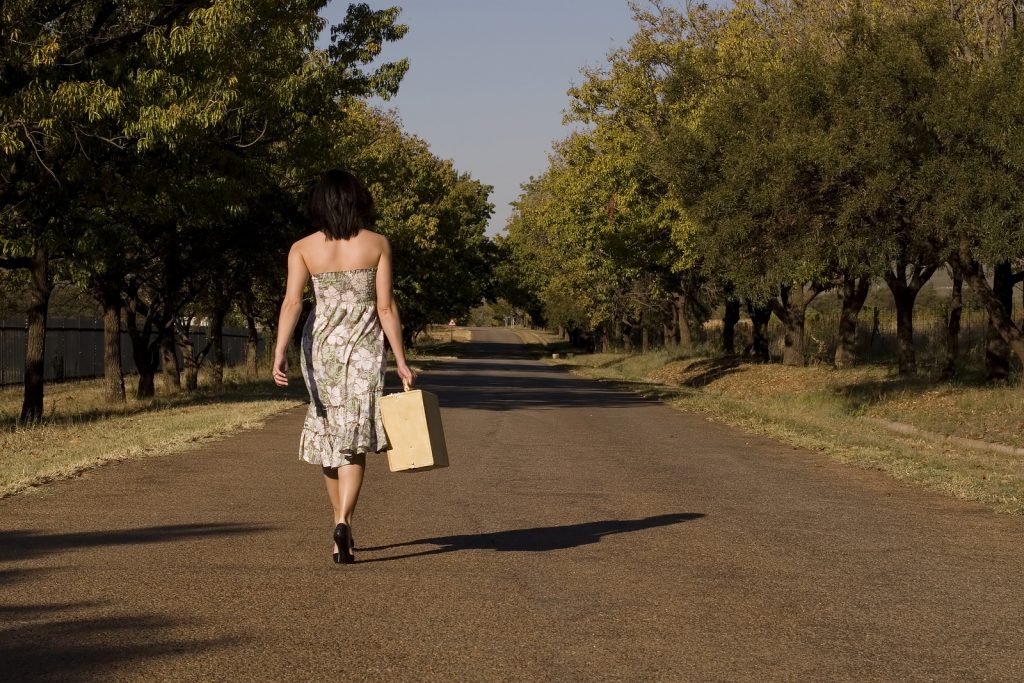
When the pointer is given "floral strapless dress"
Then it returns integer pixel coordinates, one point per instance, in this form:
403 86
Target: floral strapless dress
343 363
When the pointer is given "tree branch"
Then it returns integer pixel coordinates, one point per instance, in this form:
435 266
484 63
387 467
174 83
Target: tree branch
168 17
258 138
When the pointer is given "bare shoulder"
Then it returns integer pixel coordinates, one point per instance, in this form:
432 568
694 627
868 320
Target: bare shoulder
306 245
376 236
309 240
379 240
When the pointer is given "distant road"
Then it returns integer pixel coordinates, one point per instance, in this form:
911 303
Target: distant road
581 534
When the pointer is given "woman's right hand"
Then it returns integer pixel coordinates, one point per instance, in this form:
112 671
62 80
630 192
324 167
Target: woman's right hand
280 370
405 374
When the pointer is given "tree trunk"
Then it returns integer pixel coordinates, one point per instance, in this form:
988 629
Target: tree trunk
188 355
169 360
729 320
252 345
876 326
682 316
673 334
1001 316
853 294
113 372
35 338
145 363
794 340
904 293
142 350
645 338
759 318
217 346
904 299
997 349
956 306
791 309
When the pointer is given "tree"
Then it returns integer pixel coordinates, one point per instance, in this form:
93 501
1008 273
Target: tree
976 181
54 95
434 216
159 99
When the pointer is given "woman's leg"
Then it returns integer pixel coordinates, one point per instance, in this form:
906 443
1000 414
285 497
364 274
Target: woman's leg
331 480
350 480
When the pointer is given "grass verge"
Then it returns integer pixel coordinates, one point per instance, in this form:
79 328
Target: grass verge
823 409
80 431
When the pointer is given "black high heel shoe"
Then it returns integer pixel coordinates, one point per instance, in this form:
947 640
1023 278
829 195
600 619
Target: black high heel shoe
343 540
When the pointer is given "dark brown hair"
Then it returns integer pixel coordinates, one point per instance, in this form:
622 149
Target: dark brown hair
340 205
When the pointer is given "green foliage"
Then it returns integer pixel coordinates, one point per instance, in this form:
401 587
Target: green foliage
592 235
162 152
434 216
805 167
747 151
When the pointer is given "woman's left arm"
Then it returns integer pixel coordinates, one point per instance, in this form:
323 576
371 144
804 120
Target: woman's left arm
291 307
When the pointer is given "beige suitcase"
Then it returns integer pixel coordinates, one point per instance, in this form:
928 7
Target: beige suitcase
412 420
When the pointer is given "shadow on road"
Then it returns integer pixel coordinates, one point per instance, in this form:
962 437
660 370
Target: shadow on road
477 349
78 641
9 577
81 649
508 385
540 539
18 544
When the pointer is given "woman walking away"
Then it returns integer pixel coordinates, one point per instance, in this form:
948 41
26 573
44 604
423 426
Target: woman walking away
343 356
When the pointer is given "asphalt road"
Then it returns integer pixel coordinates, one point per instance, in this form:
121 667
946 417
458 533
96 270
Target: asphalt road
580 534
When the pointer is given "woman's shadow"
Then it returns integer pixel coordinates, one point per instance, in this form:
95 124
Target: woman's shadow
539 539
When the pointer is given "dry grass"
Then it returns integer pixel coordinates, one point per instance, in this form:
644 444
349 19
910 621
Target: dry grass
79 431
436 335
541 337
821 409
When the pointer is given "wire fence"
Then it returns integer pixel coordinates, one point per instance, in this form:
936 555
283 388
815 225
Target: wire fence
74 349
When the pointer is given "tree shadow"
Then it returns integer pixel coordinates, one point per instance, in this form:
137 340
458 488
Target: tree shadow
78 641
539 539
517 350
866 393
709 370
83 648
241 392
21 544
501 350
501 385
28 611
9 577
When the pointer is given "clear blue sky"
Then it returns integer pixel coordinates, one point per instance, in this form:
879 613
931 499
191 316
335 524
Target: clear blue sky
487 78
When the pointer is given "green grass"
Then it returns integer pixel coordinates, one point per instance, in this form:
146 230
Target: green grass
825 409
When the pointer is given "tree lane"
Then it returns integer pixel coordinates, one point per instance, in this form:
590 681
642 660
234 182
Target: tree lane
581 533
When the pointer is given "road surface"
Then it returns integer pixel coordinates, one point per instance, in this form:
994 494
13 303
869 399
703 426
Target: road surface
581 534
